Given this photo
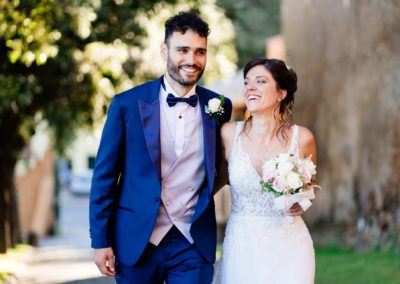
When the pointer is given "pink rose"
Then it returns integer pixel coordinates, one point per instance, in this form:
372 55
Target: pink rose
279 184
305 172
268 175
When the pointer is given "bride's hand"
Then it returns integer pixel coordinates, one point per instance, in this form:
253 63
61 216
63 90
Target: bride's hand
295 210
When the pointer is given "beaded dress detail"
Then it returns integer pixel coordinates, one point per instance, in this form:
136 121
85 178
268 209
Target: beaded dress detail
261 245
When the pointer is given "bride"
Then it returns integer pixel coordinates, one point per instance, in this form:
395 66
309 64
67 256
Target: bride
261 245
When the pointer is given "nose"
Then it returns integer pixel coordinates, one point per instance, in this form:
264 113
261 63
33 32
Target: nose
190 57
250 85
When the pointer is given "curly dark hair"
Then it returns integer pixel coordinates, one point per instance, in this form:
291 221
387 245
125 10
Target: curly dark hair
184 21
286 79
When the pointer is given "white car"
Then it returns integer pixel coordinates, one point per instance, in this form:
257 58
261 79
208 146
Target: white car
81 181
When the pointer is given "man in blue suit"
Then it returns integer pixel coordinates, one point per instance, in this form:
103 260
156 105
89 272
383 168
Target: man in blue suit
152 215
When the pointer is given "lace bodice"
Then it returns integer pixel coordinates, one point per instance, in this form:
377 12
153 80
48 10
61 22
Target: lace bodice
247 197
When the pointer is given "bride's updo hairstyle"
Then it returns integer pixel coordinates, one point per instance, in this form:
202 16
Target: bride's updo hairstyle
286 79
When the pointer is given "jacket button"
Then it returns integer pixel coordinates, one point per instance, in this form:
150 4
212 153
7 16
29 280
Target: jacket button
157 199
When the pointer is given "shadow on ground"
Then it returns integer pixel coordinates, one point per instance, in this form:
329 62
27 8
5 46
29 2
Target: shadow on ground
101 280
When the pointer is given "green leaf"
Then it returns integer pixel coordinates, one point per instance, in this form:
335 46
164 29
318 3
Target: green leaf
266 187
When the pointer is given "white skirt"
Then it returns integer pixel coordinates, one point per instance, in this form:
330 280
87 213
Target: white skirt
262 250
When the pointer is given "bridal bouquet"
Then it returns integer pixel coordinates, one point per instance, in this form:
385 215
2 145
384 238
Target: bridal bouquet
290 179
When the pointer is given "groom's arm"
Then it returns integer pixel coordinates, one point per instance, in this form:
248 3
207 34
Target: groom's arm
226 116
105 177
222 166
104 260
221 178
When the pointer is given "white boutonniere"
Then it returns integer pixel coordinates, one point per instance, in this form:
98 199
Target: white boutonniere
215 107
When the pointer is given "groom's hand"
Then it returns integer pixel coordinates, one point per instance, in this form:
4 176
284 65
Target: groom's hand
104 259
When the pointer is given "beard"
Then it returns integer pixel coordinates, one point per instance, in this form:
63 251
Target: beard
173 71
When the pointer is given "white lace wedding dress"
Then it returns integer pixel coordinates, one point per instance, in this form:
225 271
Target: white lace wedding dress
261 245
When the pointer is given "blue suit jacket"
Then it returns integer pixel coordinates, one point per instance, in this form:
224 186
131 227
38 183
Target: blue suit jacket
126 186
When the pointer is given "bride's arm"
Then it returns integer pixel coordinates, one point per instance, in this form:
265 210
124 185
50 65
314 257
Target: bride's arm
307 147
225 148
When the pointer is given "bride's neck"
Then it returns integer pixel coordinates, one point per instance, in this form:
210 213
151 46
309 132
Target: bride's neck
263 129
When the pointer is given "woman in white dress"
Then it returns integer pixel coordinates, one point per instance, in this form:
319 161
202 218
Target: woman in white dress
261 244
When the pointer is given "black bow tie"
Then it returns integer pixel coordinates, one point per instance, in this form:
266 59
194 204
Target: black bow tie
172 100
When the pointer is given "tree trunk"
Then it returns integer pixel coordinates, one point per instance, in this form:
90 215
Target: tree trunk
9 225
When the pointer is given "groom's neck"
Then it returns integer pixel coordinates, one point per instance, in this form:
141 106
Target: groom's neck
180 90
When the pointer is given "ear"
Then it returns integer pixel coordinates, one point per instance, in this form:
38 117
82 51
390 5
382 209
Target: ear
282 95
164 51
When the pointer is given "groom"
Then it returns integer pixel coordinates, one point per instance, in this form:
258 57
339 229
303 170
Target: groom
151 201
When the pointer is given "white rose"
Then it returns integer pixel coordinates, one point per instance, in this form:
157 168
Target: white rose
214 104
310 166
294 180
283 157
269 166
284 168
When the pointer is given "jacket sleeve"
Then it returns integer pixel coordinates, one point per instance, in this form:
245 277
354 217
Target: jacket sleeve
221 164
228 111
105 176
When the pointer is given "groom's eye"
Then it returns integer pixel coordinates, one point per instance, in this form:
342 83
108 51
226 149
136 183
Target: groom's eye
202 52
182 50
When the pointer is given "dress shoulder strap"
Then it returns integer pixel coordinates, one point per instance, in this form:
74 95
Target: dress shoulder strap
294 143
239 127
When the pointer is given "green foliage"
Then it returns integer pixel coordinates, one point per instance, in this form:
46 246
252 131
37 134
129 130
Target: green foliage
221 53
56 57
254 21
26 31
335 265
62 61
266 187
3 276
9 257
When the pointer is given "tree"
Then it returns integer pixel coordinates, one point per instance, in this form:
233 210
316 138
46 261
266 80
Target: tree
62 61
254 21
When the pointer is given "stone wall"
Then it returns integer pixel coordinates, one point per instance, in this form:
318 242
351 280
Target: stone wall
347 57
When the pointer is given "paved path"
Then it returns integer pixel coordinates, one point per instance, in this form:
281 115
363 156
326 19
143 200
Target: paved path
67 257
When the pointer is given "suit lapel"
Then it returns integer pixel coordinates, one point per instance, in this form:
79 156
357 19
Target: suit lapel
209 139
149 107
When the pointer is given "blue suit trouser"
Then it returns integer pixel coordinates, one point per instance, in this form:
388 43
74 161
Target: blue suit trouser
173 261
